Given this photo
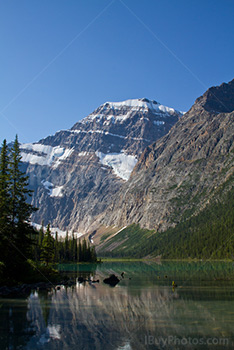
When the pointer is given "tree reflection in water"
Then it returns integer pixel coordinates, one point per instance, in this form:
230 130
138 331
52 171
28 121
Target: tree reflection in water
91 316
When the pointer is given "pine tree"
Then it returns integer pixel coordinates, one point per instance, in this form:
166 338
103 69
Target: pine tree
20 210
56 248
80 255
4 186
41 234
16 233
4 202
88 253
74 248
84 250
67 253
47 248
38 243
93 255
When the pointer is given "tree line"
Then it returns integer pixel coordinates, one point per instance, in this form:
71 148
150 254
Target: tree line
19 240
53 249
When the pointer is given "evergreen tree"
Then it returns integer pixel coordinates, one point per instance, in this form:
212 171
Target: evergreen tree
56 248
84 250
47 248
67 253
36 248
41 234
93 254
88 253
4 186
16 233
19 210
80 255
74 247
4 202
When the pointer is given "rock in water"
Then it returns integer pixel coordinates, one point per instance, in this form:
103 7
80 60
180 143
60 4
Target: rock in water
112 280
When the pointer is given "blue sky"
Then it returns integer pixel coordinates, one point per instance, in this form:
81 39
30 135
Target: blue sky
59 60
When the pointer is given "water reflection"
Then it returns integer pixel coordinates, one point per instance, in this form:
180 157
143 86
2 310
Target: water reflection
98 317
15 328
139 313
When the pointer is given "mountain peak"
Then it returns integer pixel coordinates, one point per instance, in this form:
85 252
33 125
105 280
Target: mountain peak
118 112
139 104
218 99
133 103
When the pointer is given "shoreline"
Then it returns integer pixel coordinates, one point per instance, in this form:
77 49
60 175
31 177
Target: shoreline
162 260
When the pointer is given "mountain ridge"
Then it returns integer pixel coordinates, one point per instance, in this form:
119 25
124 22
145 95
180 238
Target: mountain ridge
181 169
217 98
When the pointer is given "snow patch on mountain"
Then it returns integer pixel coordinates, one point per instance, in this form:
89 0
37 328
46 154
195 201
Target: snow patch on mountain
53 191
37 147
78 131
48 185
83 154
57 192
37 153
140 104
108 119
66 154
121 163
119 112
34 159
158 122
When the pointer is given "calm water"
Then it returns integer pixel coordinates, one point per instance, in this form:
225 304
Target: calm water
142 312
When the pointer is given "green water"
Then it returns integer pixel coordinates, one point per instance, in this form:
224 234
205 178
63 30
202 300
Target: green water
142 312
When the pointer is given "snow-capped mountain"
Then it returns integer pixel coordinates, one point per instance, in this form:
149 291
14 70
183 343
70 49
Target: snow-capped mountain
185 170
75 173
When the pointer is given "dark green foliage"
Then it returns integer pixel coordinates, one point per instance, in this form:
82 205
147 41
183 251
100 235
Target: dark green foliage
20 209
50 249
47 247
15 231
56 247
4 186
19 241
4 201
208 235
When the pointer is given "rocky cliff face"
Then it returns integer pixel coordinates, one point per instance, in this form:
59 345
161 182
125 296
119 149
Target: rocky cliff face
179 174
75 174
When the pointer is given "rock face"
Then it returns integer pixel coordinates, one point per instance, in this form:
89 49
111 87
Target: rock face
76 173
177 175
218 99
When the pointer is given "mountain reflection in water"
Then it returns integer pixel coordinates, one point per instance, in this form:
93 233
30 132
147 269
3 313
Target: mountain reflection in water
141 313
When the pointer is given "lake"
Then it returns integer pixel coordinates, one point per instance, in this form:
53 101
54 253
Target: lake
143 311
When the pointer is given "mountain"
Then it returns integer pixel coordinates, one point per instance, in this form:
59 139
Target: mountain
76 173
180 175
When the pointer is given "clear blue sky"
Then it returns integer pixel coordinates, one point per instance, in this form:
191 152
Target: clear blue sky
59 60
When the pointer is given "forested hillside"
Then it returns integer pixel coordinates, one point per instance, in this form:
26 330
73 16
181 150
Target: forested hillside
208 235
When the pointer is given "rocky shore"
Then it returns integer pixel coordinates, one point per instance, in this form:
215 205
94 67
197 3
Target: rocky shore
24 290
